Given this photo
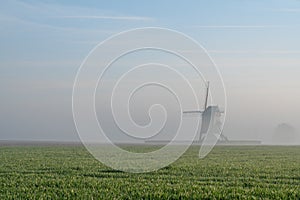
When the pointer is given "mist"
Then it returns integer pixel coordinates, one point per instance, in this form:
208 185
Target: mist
255 50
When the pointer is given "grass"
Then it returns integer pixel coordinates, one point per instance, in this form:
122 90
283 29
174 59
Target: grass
228 172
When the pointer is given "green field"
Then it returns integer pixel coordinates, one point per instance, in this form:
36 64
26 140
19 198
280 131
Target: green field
228 172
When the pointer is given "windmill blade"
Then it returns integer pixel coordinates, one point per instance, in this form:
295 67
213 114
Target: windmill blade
192 112
206 96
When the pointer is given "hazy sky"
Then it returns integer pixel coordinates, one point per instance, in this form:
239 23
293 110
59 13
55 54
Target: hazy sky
255 44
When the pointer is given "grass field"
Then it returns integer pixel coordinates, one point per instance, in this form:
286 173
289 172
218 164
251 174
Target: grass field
228 172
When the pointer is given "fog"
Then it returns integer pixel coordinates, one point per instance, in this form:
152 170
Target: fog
255 46
253 112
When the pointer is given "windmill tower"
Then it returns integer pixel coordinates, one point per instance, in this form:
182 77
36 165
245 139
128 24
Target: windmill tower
211 119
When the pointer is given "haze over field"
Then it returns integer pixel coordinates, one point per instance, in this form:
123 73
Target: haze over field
255 44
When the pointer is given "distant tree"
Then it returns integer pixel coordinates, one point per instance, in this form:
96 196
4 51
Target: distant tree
284 134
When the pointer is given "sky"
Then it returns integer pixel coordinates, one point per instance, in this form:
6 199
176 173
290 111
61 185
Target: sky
255 45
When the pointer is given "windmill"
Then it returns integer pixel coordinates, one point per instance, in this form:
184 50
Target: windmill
211 119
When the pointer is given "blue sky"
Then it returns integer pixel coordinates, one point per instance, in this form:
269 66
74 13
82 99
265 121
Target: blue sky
255 44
